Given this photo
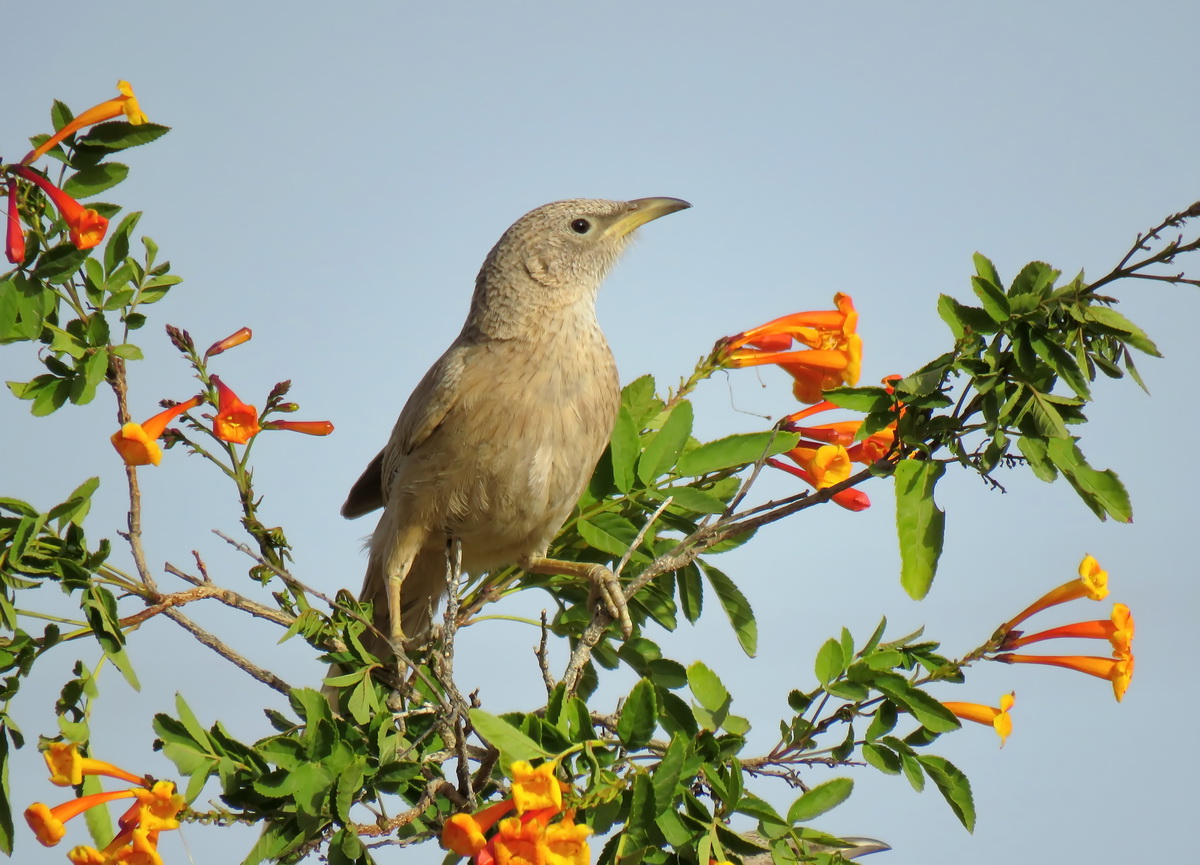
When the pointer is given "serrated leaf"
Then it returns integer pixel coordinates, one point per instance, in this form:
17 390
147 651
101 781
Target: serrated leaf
120 134
1100 490
707 688
690 591
513 744
607 532
736 606
961 318
953 785
864 399
637 721
1130 332
920 524
829 662
624 449
95 179
660 455
820 799
694 500
884 759
995 304
735 450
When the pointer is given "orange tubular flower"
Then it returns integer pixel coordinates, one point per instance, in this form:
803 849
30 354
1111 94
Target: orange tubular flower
86 226
156 809
1118 630
236 338
565 843
67 768
136 442
851 499
463 833
519 843
1119 671
534 789
834 350
14 239
126 104
48 823
1092 583
235 422
826 464
308 427
997 718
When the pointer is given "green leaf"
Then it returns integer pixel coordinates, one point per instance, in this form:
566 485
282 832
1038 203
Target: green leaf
1060 360
884 759
666 777
985 268
624 449
953 785
513 744
830 663
864 399
820 799
920 524
694 500
1130 332
960 318
60 263
636 725
89 181
120 134
660 455
77 505
128 351
736 606
607 532
995 304
735 450
1045 416
6 820
117 248
690 591
95 368
1102 491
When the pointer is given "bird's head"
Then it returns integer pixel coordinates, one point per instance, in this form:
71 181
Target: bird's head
558 254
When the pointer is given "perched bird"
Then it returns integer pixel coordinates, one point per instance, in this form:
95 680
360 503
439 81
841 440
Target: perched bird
502 434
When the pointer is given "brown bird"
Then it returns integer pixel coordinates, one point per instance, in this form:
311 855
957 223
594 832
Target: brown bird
502 434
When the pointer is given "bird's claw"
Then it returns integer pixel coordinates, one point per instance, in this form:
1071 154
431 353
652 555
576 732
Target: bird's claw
606 589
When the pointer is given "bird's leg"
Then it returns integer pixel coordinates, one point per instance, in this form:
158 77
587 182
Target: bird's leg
605 585
395 616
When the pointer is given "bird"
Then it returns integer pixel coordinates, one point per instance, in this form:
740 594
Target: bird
855 848
499 438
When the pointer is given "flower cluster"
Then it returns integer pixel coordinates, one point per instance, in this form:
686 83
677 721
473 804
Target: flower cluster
86 226
831 355
1117 630
530 837
155 810
820 349
235 422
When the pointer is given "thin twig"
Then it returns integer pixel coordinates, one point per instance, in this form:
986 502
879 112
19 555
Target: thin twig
265 676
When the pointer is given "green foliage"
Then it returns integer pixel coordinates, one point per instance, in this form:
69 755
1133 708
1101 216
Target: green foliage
667 772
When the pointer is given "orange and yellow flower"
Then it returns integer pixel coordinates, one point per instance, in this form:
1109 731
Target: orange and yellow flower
307 427
68 768
49 824
136 443
1092 583
534 789
996 717
235 422
464 834
1117 629
851 499
1119 671
86 226
126 104
832 353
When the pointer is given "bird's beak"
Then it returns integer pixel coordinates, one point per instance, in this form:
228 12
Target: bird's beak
642 210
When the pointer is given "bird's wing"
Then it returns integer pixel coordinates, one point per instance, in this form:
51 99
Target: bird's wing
425 410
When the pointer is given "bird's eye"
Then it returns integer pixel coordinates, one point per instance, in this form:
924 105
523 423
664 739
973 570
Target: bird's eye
581 226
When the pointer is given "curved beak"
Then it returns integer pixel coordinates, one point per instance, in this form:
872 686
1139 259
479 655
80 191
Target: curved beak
642 210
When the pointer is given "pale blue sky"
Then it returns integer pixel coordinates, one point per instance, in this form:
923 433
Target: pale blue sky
337 172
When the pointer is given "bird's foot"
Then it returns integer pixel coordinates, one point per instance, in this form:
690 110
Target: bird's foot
606 587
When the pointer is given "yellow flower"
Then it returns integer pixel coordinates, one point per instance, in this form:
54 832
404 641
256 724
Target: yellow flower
67 768
126 104
84 855
463 835
565 843
136 443
998 718
141 850
158 807
48 823
519 843
533 789
1119 671
1092 583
